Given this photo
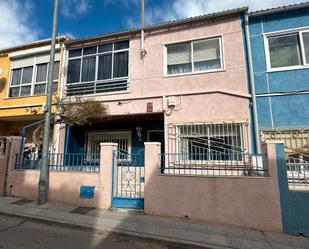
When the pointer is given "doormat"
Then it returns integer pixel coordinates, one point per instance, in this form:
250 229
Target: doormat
82 210
21 202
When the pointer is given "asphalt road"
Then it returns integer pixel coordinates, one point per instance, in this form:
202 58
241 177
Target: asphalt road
18 233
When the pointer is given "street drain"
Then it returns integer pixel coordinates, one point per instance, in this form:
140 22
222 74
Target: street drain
21 202
82 210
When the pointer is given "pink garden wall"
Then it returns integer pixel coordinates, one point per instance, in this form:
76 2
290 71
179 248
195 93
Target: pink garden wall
251 202
244 201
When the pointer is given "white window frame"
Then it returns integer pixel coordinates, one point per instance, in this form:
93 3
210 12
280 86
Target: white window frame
97 55
222 62
299 32
33 81
20 85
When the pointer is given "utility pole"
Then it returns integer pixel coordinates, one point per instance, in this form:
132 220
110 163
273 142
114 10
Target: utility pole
44 170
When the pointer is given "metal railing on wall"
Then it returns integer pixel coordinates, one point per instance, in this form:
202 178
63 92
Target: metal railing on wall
220 164
298 174
60 162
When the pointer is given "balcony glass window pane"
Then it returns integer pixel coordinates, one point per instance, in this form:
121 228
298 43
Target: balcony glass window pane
75 52
74 71
105 47
25 90
16 76
27 75
284 51
88 71
41 71
179 58
105 67
90 50
14 92
121 64
39 89
306 46
206 55
121 45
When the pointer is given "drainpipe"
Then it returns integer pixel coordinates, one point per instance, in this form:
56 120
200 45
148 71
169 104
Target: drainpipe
142 28
252 88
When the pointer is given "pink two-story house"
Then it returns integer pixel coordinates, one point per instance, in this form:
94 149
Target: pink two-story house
184 85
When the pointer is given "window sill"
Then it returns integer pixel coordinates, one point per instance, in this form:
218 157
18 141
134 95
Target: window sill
287 69
22 97
99 94
194 73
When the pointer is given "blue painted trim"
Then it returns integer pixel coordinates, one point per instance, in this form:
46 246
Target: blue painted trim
130 203
113 175
294 204
67 138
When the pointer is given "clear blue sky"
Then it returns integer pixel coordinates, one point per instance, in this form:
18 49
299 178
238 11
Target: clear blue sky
29 20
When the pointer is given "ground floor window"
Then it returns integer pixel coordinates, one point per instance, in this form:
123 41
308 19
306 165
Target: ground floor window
122 138
204 142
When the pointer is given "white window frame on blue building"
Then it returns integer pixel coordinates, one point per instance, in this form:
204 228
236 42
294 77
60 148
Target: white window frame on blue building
303 59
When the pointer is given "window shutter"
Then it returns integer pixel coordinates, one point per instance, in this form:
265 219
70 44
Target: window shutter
179 54
206 50
23 62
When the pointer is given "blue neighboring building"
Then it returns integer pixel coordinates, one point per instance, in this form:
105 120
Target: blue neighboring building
280 56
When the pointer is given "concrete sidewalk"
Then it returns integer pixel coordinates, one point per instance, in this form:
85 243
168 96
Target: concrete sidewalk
137 224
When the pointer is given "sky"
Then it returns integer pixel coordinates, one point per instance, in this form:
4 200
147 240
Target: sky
29 20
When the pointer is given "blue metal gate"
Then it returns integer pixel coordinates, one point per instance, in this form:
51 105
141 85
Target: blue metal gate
128 180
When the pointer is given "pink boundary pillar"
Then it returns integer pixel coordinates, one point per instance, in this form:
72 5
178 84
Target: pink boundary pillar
152 168
107 160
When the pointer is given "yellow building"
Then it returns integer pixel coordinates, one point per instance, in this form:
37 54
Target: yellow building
23 79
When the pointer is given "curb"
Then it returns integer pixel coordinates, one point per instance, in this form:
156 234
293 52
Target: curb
118 231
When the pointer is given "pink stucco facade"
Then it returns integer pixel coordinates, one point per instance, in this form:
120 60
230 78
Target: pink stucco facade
219 96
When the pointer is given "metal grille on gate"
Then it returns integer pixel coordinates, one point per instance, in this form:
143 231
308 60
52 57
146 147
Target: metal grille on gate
128 180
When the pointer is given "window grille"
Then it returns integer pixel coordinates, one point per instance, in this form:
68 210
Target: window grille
123 138
204 142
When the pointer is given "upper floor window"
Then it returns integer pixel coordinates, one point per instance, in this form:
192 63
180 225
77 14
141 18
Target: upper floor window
288 50
195 56
32 80
97 69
